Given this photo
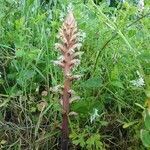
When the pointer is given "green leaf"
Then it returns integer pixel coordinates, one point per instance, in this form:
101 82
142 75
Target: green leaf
145 56
20 53
126 125
145 137
117 84
78 139
115 73
92 83
131 32
147 92
104 123
81 107
33 54
1 81
33 109
147 119
3 142
94 141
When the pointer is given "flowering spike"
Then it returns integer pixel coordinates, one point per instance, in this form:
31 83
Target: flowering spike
69 44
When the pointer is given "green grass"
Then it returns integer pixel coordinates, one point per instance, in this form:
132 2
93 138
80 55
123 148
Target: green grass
115 48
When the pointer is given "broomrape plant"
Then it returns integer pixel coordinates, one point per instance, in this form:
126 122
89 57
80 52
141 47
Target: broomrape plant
68 46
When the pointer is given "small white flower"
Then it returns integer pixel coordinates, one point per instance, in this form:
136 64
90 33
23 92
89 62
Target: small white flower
72 113
61 58
114 18
72 92
138 73
123 1
108 2
56 88
48 31
76 62
79 46
33 9
139 82
141 5
86 17
81 36
62 16
79 54
71 51
77 77
37 89
58 63
74 98
49 17
94 115
70 7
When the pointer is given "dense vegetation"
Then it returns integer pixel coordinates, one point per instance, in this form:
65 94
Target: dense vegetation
114 89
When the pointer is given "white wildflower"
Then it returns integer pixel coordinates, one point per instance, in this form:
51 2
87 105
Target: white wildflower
141 5
33 9
72 113
79 46
86 17
37 89
62 16
139 82
79 54
123 1
70 7
61 58
94 115
108 2
72 92
57 63
81 36
114 18
48 31
71 51
49 16
74 98
56 88
77 77
76 62
59 47
138 73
